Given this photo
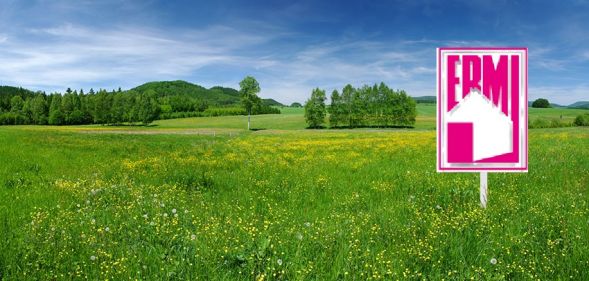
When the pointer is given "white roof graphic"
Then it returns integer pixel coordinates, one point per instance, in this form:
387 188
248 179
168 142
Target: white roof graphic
492 129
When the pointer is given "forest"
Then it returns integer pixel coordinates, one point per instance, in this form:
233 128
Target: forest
143 104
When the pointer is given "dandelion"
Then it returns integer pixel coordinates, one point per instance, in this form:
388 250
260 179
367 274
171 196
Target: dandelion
493 261
162 205
173 211
93 221
308 224
438 207
107 229
192 237
299 236
279 261
166 215
145 216
93 258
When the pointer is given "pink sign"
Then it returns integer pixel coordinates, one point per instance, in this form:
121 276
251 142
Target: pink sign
482 109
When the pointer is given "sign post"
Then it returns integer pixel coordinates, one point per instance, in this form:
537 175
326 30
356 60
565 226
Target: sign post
483 191
482 111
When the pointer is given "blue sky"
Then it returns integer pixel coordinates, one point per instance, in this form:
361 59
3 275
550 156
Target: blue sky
289 46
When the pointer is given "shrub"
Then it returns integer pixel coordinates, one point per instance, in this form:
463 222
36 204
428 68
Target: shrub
541 103
582 120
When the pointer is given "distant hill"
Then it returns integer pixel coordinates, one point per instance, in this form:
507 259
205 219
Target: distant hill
425 99
271 102
215 95
580 104
8 92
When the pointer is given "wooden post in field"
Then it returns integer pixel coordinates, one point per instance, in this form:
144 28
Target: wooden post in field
484 190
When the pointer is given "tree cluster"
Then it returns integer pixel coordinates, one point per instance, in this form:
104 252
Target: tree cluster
541 103
151 101
376 106
74 108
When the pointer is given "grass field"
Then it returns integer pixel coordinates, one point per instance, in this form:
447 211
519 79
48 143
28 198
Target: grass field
175 202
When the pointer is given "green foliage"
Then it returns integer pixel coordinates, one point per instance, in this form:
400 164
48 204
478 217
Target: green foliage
376 106
539 123
249 89
184 96
296 105
148 102
271 102
541 103
315 110
16 104
582 120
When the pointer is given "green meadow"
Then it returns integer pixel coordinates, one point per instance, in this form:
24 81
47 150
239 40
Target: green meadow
204 199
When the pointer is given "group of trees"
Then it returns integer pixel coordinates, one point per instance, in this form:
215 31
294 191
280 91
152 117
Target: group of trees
151 101
376 106
541 103
73 108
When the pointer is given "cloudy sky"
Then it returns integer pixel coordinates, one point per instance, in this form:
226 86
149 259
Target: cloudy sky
289 46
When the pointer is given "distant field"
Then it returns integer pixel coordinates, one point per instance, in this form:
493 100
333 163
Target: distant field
293 119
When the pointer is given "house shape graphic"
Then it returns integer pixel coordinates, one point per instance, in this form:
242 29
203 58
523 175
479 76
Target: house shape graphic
489 129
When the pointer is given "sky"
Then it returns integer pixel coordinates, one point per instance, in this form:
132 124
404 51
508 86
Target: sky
290 47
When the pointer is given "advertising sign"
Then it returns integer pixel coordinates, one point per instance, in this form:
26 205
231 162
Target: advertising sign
482 109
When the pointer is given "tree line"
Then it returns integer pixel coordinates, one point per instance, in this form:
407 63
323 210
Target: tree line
75 108
376 106
23 107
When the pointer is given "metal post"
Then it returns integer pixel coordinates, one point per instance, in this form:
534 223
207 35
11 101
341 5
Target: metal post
484 190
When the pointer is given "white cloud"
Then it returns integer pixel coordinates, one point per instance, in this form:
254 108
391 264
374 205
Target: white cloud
563 95
73 55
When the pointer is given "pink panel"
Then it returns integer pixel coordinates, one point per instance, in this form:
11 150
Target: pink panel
460 143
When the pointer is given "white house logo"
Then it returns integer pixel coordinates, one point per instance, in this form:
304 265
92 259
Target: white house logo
482 109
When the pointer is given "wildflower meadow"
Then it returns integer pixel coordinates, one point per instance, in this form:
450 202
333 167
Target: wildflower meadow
90 203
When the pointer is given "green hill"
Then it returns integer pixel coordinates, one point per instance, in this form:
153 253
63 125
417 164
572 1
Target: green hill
215 95
425 99
580 104
8 92
271 102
